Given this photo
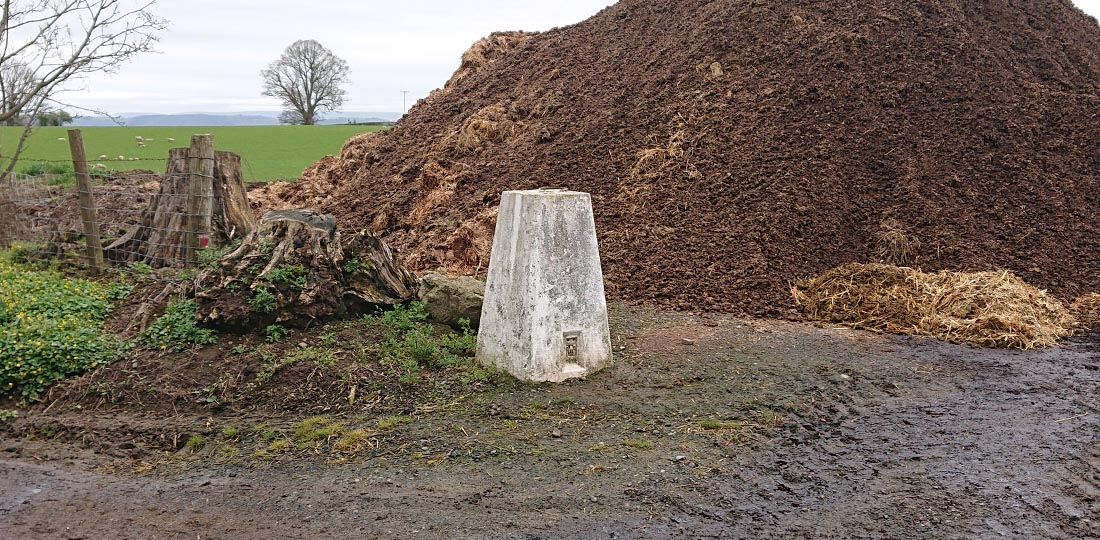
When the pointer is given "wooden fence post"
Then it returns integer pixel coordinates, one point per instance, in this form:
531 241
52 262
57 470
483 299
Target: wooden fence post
200 193
87 202
7 210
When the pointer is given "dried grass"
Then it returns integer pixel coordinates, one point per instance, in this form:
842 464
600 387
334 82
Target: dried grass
894 246
1087 311
984 309
436 187
491 124
677 155
653 164
472 243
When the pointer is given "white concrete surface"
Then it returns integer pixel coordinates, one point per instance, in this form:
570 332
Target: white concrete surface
545 314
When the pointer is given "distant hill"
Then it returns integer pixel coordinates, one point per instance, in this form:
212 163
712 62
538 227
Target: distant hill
246 118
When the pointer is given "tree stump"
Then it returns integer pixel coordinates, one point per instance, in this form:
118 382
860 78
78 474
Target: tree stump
294 269
160 237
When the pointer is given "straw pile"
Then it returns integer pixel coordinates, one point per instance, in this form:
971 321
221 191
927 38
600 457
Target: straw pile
1087 311
983 309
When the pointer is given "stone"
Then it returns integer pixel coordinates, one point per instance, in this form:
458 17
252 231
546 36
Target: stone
545 314
447 299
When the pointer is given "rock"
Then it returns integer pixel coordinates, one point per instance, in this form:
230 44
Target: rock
450 298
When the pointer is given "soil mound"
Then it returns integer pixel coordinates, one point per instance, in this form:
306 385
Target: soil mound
985 309
734 147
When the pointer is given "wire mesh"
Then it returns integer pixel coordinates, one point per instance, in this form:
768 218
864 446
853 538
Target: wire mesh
141 216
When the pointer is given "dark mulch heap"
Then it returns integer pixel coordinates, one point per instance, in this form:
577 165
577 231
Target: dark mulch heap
734 146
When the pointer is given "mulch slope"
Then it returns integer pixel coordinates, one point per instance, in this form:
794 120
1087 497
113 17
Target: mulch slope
732 147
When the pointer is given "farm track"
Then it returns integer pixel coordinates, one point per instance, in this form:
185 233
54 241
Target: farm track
839 434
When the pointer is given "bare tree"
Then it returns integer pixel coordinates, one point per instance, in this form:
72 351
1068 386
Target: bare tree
48 47
308 80
16 81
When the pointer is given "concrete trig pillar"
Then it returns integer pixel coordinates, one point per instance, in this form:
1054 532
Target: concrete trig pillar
545 316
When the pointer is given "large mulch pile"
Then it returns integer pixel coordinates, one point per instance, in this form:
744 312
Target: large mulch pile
733 147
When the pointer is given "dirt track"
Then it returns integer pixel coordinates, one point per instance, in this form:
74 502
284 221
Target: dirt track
843 434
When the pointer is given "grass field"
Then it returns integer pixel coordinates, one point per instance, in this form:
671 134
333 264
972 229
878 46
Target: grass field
267 152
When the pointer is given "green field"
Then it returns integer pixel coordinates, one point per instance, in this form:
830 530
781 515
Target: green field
267 152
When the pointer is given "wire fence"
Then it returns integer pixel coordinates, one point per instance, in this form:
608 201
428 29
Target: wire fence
110 165
105 217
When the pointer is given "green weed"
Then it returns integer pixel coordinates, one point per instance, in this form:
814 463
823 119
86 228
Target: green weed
263 300
294 275
265 433
23 252
59 174
209 256
140 268
177 328
715 425
352 442
275 332
770 418
195 443
311 431
211 394
280 445
403 318
118 291
270 367
50 328
410 344
390 422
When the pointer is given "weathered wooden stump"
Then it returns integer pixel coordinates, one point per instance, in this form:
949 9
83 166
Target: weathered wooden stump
161 236
294 269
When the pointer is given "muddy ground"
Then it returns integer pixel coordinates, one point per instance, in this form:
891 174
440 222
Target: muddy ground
706 427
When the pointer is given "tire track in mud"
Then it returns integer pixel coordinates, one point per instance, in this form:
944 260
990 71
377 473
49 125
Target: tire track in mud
975 444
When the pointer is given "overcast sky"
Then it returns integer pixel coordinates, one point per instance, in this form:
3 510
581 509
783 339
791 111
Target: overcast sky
209 59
